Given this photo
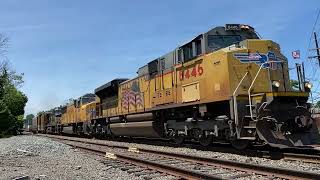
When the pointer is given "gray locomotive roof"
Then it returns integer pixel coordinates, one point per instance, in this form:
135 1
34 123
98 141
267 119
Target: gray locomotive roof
221 30
87 95
107 85
217 28
195 37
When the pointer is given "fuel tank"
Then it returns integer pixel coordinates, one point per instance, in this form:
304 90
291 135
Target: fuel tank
138 129
67 130
115 119
133 118
139 117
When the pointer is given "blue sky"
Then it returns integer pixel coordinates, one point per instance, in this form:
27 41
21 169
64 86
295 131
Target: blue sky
68 48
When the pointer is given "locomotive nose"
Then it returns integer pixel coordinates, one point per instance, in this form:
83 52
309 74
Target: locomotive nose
287 125
266 131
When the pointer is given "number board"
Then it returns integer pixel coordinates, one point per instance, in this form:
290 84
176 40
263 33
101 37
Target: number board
232 27
193 71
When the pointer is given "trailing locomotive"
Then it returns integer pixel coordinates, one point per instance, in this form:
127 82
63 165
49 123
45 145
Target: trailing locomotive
223 85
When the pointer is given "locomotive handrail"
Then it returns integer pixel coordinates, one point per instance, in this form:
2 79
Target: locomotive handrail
263 105
235 105
254 79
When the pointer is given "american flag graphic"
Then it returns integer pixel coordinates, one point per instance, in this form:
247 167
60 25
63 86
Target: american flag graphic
130 97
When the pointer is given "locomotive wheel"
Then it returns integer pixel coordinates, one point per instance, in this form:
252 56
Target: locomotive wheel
240 144
206 140
178 139
112 136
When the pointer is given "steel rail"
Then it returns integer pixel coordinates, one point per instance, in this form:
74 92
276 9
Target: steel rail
167 169
302 157
259 169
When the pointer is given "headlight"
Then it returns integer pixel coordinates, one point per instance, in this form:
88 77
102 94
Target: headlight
308 85
276 84
244 26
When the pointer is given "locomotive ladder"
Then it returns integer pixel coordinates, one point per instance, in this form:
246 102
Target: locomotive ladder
235 109
252 116
235 104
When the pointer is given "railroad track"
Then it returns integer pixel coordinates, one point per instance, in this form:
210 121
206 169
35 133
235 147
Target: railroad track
315 159
184 166
269 154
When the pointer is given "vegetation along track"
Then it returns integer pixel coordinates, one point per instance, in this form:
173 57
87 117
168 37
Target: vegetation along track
184 166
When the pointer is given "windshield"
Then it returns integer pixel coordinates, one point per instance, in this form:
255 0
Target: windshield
221 41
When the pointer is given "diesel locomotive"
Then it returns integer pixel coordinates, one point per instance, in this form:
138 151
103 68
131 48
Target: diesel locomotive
225 85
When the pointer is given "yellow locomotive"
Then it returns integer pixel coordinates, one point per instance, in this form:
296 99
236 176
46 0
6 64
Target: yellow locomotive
223 85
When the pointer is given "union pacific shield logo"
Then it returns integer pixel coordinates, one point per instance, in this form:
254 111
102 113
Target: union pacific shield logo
258 58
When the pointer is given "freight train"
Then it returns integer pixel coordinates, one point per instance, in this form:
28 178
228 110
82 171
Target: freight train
225 85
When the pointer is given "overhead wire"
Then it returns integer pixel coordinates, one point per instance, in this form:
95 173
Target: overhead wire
311 33
313 65
308 52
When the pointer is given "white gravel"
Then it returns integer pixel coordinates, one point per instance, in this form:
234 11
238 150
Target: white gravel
42 158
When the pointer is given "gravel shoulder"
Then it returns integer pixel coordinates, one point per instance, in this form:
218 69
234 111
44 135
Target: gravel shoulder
42 158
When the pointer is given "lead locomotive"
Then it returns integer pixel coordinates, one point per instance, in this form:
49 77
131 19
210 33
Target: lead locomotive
223 85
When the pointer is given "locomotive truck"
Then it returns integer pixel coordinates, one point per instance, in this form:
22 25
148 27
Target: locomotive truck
224 85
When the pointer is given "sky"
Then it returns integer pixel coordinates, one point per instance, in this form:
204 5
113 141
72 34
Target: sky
68 48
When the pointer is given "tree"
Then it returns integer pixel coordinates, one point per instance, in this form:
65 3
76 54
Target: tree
15 100
3 44
6 118
12 100
28 120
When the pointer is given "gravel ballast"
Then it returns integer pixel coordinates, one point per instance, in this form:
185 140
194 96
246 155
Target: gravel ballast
42 158
282 163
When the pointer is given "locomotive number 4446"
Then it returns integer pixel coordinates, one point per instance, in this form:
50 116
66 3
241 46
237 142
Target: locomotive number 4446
194 71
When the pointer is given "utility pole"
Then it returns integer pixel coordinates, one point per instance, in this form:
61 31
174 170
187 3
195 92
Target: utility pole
303 73
298 66
317 46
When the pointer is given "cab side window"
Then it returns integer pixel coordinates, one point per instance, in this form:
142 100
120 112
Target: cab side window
198 47
192 49
187 52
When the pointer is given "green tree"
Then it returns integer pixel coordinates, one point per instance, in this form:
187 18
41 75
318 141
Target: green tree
12 100
19 122
15 100
29 118
6 119
12 103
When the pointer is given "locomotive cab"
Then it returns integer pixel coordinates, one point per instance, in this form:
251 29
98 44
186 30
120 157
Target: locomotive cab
271 110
